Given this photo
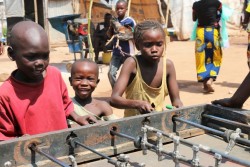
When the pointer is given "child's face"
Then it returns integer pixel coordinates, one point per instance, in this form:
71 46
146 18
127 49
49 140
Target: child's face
121 9
32 58
152 45
84 79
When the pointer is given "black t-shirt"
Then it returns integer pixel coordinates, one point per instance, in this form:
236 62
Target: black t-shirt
207 12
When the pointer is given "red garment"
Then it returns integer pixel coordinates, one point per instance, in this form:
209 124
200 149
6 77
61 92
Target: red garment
83 29
34 108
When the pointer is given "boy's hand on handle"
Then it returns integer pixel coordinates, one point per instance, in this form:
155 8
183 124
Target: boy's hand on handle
87 119
145 107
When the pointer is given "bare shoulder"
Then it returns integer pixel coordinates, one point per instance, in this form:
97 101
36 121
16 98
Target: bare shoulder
130 61
170 63
170 67
103 106
129 65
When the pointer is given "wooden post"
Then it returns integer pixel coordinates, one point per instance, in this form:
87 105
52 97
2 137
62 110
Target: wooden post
129 6
35 11
166 23
91 49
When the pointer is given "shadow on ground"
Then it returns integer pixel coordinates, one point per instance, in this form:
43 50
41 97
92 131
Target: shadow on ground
196 87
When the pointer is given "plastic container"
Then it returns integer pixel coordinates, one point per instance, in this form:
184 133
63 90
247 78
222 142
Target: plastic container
106 57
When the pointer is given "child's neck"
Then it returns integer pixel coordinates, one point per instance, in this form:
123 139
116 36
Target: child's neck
83 102
20 76
147 62
121 17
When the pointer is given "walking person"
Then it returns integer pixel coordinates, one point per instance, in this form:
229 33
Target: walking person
208 53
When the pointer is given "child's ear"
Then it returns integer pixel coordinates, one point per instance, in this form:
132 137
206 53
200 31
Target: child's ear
137 47
11 53
98 80
70 81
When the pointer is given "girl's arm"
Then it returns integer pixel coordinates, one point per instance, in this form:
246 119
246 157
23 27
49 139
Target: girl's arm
117 100
173 88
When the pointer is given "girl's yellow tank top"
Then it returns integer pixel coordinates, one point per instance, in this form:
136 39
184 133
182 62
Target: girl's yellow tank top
139 90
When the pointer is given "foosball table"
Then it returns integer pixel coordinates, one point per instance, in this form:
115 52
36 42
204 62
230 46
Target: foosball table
201 135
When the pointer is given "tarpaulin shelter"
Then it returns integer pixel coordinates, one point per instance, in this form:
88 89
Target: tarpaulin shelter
60 24
181 12
41 10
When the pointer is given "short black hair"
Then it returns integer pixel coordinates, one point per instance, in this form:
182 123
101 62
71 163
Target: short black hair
88 61
122 1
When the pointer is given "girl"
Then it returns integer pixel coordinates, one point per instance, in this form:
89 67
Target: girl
148 77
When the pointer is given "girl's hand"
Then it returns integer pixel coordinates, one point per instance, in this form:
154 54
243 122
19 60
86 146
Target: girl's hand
177 103
144 107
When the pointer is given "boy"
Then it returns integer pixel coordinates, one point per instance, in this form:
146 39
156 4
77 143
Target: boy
148 77
100 36
34 99
84 79
126 47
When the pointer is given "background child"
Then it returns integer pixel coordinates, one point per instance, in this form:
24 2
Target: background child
126 47
146 78
100 36
84 79
34 99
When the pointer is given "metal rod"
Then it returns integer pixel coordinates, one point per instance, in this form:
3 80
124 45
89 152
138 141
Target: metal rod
217 132
202 147
151 146
237 124
53 159
170 154
122 135
96 152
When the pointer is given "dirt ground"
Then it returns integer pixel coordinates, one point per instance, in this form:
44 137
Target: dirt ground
233 71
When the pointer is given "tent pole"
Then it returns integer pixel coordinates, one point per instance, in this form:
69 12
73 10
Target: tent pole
166 23
91 49
129 6
35 10
167 13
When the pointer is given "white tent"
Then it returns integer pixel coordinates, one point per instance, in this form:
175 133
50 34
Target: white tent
14 8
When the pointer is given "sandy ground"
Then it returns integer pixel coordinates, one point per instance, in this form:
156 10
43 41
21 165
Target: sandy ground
233 71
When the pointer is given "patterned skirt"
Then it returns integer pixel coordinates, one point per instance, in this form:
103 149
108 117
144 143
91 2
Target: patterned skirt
208 53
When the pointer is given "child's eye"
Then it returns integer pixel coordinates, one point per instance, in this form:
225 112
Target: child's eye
147 45
30 58
159 43
150 44
77 79
91 79
45 57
